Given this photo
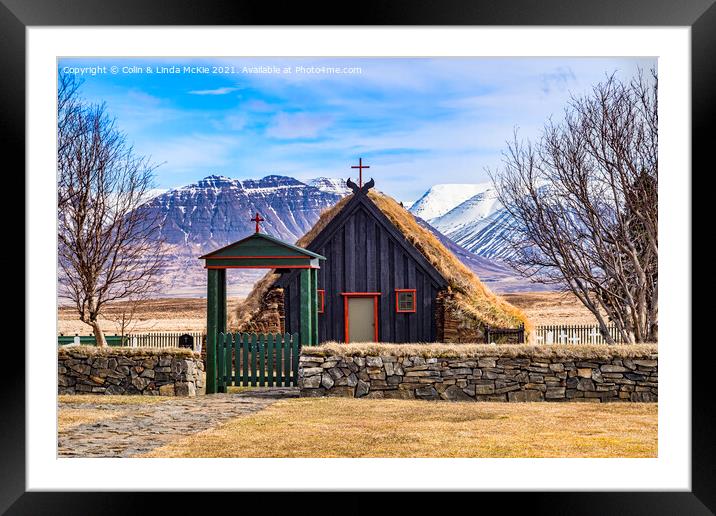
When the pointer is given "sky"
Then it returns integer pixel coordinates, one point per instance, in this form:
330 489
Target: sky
417 122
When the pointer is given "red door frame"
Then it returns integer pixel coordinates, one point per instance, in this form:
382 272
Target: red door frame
347 295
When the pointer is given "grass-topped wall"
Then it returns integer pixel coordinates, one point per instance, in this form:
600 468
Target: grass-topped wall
481 372
123 370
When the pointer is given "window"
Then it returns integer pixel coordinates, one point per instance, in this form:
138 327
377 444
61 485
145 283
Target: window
404 300
321 301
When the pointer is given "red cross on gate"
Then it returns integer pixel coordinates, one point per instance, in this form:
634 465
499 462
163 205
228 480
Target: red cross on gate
258 218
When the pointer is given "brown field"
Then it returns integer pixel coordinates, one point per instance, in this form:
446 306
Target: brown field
309 427
165 314
188 314
551 308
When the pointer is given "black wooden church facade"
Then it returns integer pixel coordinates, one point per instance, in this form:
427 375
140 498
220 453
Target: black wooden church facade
371 269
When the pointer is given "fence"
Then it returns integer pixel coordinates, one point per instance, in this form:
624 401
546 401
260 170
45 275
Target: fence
575 334
255 359
505 335
144 340
88 340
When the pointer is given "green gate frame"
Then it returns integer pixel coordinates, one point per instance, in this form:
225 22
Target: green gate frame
258 251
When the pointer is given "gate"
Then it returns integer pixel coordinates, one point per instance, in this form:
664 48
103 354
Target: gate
505 335
259 360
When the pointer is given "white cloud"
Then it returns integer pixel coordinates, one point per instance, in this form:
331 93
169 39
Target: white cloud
217 91
297 125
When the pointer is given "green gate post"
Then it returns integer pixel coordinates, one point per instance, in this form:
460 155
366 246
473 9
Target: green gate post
314 307
215 322
306 304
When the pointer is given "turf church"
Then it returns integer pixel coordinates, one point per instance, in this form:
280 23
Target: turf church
385 279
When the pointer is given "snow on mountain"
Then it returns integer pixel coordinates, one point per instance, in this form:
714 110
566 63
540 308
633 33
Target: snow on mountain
442 198
331 185
217 210
473 210
488 236
479 223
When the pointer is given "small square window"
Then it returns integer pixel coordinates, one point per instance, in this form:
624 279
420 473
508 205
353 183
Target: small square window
321 301
404 300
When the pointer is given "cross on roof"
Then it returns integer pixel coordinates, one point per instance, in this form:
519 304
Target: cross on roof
360 168
258 218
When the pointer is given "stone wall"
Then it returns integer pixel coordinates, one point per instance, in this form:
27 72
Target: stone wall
165 372
271 316
452 324
528 374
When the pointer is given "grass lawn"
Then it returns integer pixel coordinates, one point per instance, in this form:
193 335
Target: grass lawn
347 427
73 413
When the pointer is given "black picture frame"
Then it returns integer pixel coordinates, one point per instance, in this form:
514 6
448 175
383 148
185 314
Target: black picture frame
699 15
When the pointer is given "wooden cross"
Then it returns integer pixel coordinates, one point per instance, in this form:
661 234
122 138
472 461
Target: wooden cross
258 218
360 168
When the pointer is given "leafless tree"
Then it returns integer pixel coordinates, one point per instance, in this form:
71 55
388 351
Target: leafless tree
584 203
109 247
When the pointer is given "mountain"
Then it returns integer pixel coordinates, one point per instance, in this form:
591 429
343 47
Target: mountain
217 210
468 213
332 185
499 277
486 237
479 224
442 198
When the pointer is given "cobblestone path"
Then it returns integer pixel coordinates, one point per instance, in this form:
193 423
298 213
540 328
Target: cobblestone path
137 429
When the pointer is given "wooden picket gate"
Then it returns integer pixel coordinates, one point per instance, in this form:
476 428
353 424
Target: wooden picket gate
260 360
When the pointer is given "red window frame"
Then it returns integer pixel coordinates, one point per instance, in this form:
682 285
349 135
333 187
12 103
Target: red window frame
399 291
346 324
321 301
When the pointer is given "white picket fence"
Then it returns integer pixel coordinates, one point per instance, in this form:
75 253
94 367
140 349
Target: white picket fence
163 340
136 340
574 334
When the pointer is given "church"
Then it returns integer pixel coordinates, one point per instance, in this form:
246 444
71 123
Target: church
385 278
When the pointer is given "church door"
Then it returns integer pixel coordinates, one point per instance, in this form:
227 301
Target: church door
361 317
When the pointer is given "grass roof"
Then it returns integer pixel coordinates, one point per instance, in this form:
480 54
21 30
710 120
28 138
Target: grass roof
471 297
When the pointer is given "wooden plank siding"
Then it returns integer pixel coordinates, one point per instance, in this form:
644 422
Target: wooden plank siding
366 253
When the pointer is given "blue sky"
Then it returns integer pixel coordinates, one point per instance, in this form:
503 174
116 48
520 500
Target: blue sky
416 122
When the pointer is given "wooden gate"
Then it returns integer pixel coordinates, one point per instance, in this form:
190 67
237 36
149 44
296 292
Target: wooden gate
260 360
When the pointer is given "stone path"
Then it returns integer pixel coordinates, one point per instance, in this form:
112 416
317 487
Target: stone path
140 428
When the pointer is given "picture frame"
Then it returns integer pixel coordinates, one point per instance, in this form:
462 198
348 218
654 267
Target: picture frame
700 15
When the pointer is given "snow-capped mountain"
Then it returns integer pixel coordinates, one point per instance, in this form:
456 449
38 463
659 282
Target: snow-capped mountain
332 185
217 210
473 210
488 236
479 223
442 198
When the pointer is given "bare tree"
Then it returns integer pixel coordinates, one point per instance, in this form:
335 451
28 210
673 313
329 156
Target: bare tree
108 245
584 204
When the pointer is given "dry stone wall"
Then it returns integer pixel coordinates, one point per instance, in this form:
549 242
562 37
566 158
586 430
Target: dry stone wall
155 372
484 378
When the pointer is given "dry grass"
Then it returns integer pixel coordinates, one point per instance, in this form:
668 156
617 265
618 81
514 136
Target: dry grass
110 399
552 351
347 427
152 315
473 300
71 349
545 308
68 418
